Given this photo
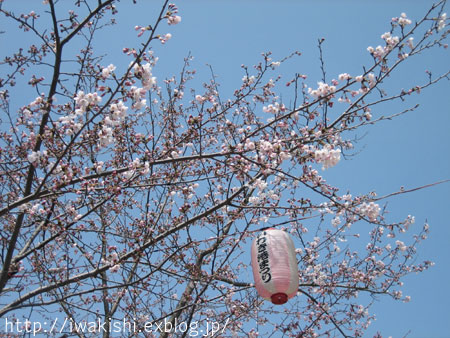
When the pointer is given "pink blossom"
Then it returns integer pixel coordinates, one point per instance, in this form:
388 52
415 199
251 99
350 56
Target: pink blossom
403 20
199 98
344 76
371 210
174 19
34 157
248 80
145 74
107 71
322 90
114 268
441 22
328 156
401 245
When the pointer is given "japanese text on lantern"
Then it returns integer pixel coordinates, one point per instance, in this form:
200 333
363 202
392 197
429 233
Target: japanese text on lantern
263 257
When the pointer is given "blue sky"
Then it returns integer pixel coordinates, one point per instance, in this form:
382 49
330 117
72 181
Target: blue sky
410 151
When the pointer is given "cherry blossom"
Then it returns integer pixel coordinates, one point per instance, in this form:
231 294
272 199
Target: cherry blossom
442 21
371 210
107 71
403 20
323 90
328 156
173 20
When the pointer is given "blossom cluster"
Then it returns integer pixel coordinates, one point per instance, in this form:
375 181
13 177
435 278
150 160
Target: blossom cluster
441 21
136 165
344 77
391 42
118 112
73 121
328 156
138 95
84 101
322 90
113 261
144 73
37 157
174 19
403 20
370 210
274 108
248 80
107 71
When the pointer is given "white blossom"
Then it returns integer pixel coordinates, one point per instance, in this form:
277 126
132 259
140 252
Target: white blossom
441 22
328 156
107 71
174 19
403 20
322 90
370 210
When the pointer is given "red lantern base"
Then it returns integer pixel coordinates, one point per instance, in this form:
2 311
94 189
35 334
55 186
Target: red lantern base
279 298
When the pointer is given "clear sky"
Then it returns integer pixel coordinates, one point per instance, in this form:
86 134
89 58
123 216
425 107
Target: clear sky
411 151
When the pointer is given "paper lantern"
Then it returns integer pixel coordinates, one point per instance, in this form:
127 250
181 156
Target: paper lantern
274 266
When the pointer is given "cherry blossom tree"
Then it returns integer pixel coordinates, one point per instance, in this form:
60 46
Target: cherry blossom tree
126 197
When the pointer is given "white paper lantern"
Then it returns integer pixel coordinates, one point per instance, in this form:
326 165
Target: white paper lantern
274 266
